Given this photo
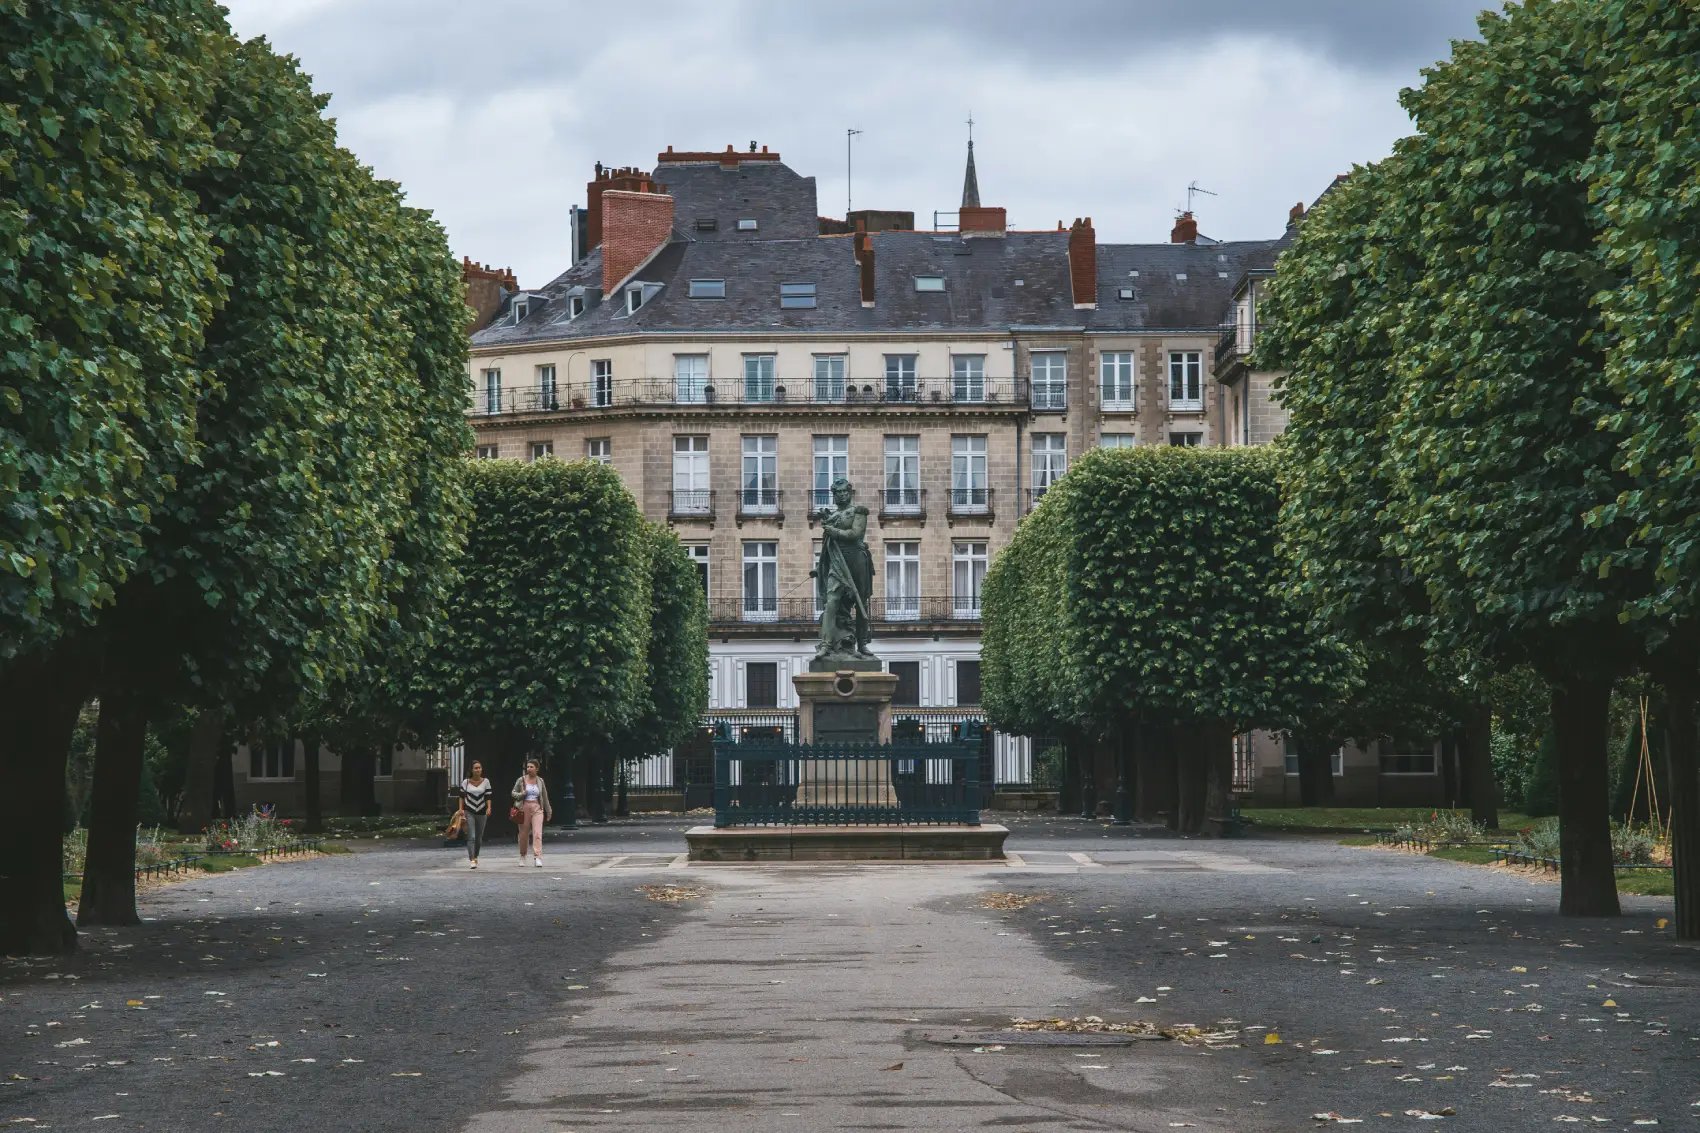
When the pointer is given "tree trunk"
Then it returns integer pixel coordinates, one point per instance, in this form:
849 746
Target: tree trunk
1481 789
1068 786
593 780
1194 778
1124 745
365 782
1088 777
1150 790
314 808
1218 758
109 871
1682 749
1449 769
566 807
1316 769
224 786
206 742
1580 716
40 696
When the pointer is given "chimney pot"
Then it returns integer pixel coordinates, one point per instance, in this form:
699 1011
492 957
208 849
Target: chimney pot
1083 263
1296 214
1185 230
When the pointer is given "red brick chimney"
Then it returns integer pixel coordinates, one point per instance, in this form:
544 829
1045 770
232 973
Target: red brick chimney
865 260
1295 214
1083 263
987 219
629 179
634 228
1185 230
484 287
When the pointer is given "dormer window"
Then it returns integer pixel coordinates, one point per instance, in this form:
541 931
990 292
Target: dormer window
522 308
748 224
634 299
929 283
575 306
708 289
796 295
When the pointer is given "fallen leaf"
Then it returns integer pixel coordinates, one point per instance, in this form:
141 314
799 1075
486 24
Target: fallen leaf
895 1066
1272 1039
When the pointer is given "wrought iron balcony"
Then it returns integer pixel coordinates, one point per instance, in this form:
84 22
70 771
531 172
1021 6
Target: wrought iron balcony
970 501
690 503
762 502
903 503
490 401
798 610
590 394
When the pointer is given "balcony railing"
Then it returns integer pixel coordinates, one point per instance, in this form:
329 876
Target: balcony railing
800 609
903 503
690 503
970 501
1233 345
652 392
759 501
1035 494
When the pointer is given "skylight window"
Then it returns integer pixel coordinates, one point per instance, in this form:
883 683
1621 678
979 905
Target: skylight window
706 224
797 295
748 224
929 283
708 289
1127 293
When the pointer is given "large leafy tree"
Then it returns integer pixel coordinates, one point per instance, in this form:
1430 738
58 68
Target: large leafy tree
545 643
328 437
107 282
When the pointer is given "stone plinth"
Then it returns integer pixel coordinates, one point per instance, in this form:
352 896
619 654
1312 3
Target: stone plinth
845 706
846 843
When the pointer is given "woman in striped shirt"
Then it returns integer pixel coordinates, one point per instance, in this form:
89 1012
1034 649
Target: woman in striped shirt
475 806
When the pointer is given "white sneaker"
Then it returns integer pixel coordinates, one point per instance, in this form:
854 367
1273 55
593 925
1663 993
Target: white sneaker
474 864
538 862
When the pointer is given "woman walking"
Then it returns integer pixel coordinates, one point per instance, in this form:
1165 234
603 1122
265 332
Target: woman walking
475 791
532 799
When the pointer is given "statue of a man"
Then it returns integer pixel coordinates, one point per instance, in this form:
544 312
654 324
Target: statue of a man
844 577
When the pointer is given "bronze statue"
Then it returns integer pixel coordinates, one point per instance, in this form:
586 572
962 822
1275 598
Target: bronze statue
844 577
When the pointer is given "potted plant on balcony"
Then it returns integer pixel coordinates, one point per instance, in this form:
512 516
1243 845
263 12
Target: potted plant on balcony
779 393
708 394
578 401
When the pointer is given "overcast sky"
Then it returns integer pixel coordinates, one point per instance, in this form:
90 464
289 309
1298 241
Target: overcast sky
493 113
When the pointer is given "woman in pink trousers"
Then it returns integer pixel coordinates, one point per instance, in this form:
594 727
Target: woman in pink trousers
531 796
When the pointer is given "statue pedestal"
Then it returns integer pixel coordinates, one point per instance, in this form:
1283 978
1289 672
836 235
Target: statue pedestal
841 705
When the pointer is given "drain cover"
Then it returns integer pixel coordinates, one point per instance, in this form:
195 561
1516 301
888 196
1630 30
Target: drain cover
1041 1038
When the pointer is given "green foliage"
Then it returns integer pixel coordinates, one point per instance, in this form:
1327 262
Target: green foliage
548 630
1030 684
107 283
676 665
1540 788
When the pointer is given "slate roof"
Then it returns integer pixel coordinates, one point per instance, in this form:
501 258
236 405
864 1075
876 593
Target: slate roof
782 204
981 292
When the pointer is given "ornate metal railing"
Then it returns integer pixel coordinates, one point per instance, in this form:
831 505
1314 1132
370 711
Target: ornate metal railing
906 783
800 608
657 392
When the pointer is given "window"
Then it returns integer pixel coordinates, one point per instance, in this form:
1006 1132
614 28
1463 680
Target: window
967 682
758 377
967 578
1050 380
908 691
1117 440
698 553
486 452
968 473
929 283
546 388
599 450
761 684
272 761
1336 762
602 383
706 224
796 295
832 461
747 224
902 581
761 474
1406 758
385 763
1115 380
968 377
1185 440
829 377
1126 294
1050 460
690 378
575 306
522 308
902 474
761 582
492 391
1186 381
634 299
542 450
708 289
690 476
900 377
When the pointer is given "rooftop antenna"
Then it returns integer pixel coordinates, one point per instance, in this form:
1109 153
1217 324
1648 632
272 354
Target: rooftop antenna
1193 190
849 135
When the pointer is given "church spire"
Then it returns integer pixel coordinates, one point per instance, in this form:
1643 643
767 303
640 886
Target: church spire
970 180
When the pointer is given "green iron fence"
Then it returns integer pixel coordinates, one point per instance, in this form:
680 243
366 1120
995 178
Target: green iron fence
907 783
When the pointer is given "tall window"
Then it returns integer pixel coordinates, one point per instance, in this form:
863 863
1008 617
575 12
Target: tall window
1186 380
486 452
599 450
902 474
829 377
690 378
758 377
968 576
1050 461
1115 380
690 476
761 474
967 682
908 691
1050 380
1185 440
968 473
542 450
761 684
1118 440
832 462
546 388
492 391
902 581
272 761
602 382
900 377
761 582
968 377
698 553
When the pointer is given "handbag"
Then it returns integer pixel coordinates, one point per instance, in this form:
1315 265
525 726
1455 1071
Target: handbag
514 814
